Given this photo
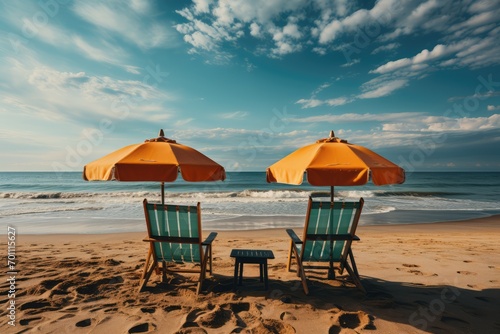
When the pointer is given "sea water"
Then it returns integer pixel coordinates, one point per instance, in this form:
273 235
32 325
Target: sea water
55 202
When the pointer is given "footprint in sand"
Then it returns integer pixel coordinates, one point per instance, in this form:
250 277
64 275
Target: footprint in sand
84 323
216 318
172 308
416 272
142 328
191 330
37 304
352 320
99 285
27 321
272 326
148 309
112 262
287 316
463 272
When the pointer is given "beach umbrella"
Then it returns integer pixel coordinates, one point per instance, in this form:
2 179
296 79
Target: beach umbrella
158 159
335 162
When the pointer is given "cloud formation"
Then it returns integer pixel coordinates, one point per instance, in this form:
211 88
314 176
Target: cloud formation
133 21
467 33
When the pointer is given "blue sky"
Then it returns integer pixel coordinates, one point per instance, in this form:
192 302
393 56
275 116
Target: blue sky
247 82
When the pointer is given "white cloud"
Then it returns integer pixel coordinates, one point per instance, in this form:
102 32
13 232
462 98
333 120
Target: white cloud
354 62
283 27
493 108
255 30
92 52
200 40
352 117
96 49
229 20
312 103
78 96
182 122
375 88
386 47
444 124
139 27
382 13
235 115
202 6
424 56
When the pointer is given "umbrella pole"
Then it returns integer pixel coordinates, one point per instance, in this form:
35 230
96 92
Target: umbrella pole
331 270
163 193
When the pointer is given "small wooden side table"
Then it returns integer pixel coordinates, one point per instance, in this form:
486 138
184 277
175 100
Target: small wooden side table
243 256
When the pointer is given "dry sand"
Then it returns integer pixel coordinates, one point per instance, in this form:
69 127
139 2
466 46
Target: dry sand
432 278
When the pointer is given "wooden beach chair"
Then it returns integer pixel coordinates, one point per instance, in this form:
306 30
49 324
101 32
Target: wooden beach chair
328 235
175 237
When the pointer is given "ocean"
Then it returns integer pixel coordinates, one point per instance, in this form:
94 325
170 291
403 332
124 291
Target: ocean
55 203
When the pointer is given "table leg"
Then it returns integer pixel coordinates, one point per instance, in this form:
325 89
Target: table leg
241 273
261 270
236 264
266 279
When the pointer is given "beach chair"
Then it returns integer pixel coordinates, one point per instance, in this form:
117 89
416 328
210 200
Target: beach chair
175 237
328 235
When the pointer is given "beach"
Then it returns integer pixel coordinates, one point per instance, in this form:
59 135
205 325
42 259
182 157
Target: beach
419 278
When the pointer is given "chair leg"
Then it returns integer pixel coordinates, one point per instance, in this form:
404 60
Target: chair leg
209 250
146 265
300 269
354 277
164 271
290 256
331 271
147 272
203 270
351 257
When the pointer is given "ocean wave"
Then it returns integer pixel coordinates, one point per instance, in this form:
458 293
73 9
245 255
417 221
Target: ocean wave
416 193
142 194
244 194
73 195
378 209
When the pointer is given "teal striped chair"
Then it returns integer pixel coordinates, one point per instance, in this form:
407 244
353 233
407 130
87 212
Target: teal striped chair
328 235
175 236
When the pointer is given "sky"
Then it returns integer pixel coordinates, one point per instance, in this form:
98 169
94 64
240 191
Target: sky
248 82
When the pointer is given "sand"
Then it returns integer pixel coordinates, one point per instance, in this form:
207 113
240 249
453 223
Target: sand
428 278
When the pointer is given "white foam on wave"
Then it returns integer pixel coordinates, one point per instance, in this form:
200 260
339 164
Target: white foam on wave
356 193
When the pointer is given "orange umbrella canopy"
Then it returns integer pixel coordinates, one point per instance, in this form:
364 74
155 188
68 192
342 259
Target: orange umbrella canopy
158 159
335 162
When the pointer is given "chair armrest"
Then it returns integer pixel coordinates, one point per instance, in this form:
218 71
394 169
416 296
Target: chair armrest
179 240
293 236
209 239
332 237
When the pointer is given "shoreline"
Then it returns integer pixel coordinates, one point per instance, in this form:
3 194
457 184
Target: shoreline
282 220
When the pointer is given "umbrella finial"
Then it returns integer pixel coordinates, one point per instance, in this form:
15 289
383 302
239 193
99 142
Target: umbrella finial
332 135
161 133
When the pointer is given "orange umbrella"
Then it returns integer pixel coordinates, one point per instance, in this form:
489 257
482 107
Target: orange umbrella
335 162
158 159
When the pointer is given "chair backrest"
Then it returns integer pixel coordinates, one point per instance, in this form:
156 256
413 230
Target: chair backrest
326 224
179 229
